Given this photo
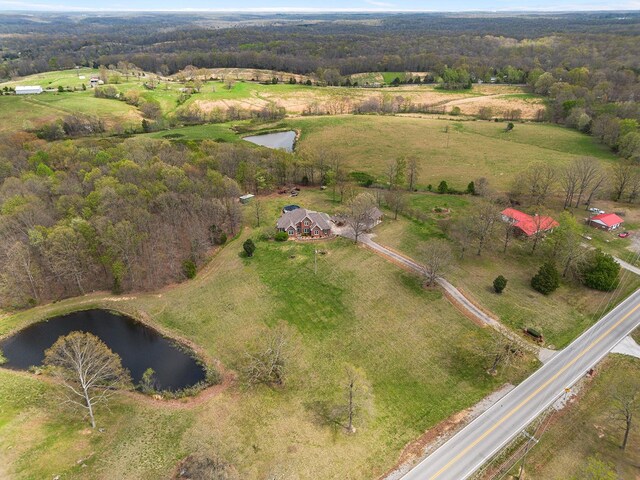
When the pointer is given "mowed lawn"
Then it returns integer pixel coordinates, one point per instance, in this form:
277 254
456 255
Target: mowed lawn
457 152
418 356
585 429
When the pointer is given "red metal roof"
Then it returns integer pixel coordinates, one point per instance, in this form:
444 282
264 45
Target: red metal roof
515 214
528 224
609 219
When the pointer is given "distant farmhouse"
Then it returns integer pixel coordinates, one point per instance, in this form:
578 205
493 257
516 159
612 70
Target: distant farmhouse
301 222
606 221
528 225
29 90
94 82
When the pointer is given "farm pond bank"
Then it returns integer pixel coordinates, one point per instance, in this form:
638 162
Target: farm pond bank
139 346
280 140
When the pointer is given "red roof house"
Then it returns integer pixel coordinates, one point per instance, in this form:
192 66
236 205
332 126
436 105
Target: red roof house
606 221
526 224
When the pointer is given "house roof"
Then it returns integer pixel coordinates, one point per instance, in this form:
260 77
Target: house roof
530 225
292 218
515 214
608 219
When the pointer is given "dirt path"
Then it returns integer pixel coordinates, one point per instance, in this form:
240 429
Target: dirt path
454 295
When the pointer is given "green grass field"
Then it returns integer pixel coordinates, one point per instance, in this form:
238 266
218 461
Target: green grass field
417 353
60 78
586 429
30 111
466 151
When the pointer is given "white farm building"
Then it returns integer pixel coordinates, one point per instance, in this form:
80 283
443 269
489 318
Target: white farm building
29 90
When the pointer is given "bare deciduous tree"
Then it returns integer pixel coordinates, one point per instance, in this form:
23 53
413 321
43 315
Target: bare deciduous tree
597 185
482 186
540 178
396 200
356 396
626 400
258 210
588 173
569 183
462 231
541 225
413 172
268 365
359 213
508 235
536 183
435 257
502 351
483 219
621 177
90 372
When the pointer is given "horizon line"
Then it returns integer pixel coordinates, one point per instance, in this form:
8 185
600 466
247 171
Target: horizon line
43 8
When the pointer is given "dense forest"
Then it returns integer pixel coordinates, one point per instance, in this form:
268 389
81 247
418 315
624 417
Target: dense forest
116 214
304 44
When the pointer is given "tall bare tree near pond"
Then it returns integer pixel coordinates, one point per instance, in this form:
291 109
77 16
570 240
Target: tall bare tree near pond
89 371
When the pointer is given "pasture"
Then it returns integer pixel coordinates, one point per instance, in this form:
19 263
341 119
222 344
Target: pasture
419 359
455 151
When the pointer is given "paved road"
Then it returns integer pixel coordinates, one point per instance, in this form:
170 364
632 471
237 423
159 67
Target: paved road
474 445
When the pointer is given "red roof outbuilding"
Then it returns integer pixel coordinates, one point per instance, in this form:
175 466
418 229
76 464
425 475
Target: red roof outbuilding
529 225
608 219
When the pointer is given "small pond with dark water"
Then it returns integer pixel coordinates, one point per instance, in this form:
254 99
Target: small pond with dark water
139 346
280 140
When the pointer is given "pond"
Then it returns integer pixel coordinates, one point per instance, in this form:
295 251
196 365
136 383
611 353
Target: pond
280 140
139 346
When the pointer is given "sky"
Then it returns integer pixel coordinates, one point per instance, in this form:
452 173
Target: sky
273 6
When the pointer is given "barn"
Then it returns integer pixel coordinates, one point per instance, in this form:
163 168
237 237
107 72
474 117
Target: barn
29 90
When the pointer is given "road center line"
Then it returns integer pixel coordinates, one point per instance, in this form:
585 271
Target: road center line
538 390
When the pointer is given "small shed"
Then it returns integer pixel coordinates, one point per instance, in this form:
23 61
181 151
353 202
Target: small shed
244 199
606 221
29 90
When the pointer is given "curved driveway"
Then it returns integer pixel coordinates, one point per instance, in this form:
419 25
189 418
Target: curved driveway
463 454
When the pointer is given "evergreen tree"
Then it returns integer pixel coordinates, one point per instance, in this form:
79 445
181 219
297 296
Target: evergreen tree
600 271
443 187
499 284
249 247
547 279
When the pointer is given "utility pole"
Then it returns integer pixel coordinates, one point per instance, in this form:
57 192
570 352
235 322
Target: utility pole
315 261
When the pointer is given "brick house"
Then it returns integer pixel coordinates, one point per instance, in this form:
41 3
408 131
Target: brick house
304 223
